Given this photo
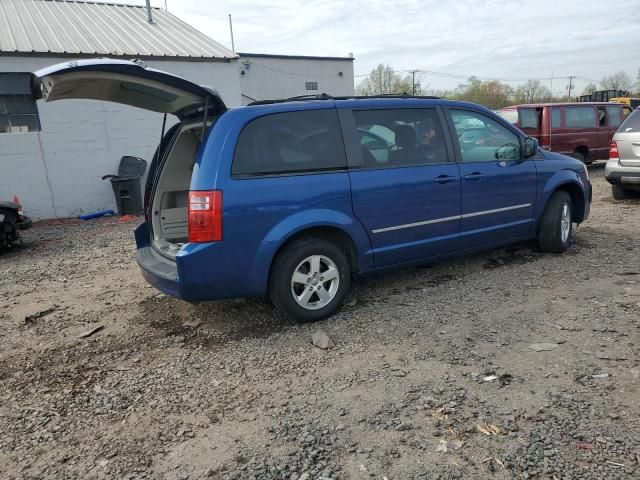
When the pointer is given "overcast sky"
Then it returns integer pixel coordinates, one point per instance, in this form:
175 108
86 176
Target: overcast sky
503 39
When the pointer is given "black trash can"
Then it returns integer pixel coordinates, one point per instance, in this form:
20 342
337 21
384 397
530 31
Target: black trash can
128 195
126 185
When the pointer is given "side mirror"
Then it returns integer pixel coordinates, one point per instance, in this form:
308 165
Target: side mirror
530 147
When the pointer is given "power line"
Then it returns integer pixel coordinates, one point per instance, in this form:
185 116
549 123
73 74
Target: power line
482 77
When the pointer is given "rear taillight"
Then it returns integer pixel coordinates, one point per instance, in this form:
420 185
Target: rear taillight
545 142
613 150
205 216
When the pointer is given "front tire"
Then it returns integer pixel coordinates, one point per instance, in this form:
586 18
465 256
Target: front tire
310 280
554 232
620 193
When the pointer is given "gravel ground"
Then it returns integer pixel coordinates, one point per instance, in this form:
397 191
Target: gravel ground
431 376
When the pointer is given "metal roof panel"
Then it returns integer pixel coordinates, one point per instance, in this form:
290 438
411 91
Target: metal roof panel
85 27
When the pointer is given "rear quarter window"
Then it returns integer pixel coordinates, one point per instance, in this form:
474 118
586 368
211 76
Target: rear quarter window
614 115
580 117
290 142
631 123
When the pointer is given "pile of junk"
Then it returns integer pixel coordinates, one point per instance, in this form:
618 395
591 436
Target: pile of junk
12 221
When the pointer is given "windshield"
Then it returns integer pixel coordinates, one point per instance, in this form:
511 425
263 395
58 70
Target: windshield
509 115
632 123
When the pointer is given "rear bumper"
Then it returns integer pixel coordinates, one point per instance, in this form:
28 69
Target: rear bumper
25 224
614 173
206 271
159 271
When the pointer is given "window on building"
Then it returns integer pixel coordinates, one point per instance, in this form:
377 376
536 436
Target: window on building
291 142
311 85
580 117
18 110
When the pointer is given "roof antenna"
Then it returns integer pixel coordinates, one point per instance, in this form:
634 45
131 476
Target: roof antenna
149 16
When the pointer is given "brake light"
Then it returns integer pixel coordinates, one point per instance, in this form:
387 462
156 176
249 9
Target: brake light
205 216
545 142
613 150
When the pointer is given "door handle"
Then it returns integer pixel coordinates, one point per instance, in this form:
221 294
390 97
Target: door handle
474 176
445 179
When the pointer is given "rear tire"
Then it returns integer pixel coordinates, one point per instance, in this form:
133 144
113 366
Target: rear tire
556 224
620 193
310 280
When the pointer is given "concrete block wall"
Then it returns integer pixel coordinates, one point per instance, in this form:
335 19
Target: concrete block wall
267 78
57 172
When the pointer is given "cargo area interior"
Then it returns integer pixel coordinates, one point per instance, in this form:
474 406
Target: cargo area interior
170 202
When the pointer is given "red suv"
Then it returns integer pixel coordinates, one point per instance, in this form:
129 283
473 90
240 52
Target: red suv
581 130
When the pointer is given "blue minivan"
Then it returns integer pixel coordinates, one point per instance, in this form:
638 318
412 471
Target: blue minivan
292 198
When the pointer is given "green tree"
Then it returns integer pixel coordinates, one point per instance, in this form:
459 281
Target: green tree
618 81
532 92
383 79
492 93
589 89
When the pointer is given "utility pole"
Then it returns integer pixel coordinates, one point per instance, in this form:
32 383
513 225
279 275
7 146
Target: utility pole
233 46
551 87
413 81
570 86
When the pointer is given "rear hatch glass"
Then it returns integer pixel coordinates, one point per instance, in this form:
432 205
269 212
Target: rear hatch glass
631 123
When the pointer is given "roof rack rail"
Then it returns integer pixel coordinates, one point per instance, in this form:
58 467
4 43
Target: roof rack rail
324 96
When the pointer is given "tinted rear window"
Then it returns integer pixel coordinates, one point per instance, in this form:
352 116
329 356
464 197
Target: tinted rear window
556 117
528 118
631 124
580 117
290 142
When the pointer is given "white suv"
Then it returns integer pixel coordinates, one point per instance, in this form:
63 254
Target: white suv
623 168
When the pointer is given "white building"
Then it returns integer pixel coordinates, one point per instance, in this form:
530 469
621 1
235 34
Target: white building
53 155
265 76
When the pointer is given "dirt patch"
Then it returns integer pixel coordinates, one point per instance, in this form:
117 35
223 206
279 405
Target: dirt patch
431 375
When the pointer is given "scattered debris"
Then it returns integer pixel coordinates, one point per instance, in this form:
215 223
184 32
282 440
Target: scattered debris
616 464
600 375
491 464
443 447
42 313
505 379
585 446
543 347
91 331
490 378
322 340
488 429
609 356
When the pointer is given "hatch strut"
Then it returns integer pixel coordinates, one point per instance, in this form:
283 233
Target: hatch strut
164 123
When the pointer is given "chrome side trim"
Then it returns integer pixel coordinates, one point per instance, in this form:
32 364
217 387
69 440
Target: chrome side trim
449 219
417 224
495 210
